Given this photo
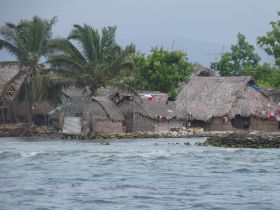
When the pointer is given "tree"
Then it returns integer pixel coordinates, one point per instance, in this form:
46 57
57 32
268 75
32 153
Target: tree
271 41
96 61
28 42
162 70
242 55
264 75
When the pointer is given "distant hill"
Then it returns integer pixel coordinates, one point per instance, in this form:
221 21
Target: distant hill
198 51
201 52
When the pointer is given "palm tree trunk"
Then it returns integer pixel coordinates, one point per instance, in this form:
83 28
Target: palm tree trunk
93 90
29 113
28 101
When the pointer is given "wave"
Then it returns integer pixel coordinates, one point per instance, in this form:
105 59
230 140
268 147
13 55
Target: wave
242 170
4 155
9 155
143 197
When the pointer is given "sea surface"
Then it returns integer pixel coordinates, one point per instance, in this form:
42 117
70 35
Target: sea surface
136 174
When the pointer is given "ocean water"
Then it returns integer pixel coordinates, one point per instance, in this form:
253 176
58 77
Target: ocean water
136 174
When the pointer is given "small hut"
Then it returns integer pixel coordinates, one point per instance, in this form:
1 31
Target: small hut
104 115
152 115
98 114
227 103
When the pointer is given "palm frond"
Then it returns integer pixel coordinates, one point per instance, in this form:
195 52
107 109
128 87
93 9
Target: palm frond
60 49
89 40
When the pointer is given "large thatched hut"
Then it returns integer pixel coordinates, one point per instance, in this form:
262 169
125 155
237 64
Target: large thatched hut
152 115
226 103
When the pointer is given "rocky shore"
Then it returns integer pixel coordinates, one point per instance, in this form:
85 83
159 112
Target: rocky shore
245 140
219 139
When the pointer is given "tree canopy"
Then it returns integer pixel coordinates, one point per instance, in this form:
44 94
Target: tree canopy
271 41
242 55
92 58
28 42
162 70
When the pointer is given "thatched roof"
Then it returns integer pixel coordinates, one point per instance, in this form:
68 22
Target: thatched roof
153 108
79 102
7 73
111 111
207 97
201 71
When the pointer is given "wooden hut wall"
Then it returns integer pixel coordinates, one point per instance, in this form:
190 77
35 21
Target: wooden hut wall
100 122
128 122
218 124
108 127
143 123
167 125
264 125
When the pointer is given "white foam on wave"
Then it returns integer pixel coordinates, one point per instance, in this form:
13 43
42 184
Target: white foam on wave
30 154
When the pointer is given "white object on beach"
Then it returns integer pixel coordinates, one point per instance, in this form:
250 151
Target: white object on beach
72 125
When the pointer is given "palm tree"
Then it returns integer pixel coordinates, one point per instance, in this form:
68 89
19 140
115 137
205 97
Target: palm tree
96 61
28 42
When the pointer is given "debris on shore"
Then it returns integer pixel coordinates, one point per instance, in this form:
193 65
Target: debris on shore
232 139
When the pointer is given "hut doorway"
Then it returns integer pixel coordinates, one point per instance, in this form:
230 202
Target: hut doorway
197 123
241 122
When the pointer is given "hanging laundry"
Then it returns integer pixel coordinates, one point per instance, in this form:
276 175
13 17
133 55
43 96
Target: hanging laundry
271 116
148 97
277 111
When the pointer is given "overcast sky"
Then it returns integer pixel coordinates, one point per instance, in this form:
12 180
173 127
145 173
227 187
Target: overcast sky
189 24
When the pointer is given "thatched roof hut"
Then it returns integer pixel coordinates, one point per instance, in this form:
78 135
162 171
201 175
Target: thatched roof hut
99 114
7 73
152 115
79 101
153 109
102 108
207 97
104 116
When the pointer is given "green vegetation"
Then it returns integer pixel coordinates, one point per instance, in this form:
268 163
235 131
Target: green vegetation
96 61
93 59
265 75
271 41
28 41
241 56
243 60
162 70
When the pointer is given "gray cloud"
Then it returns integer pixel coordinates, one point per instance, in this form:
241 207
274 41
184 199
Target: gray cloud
216 21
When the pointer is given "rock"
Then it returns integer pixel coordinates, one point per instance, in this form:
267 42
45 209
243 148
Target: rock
245 139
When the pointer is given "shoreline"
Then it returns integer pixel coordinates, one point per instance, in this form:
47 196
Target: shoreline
232 139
